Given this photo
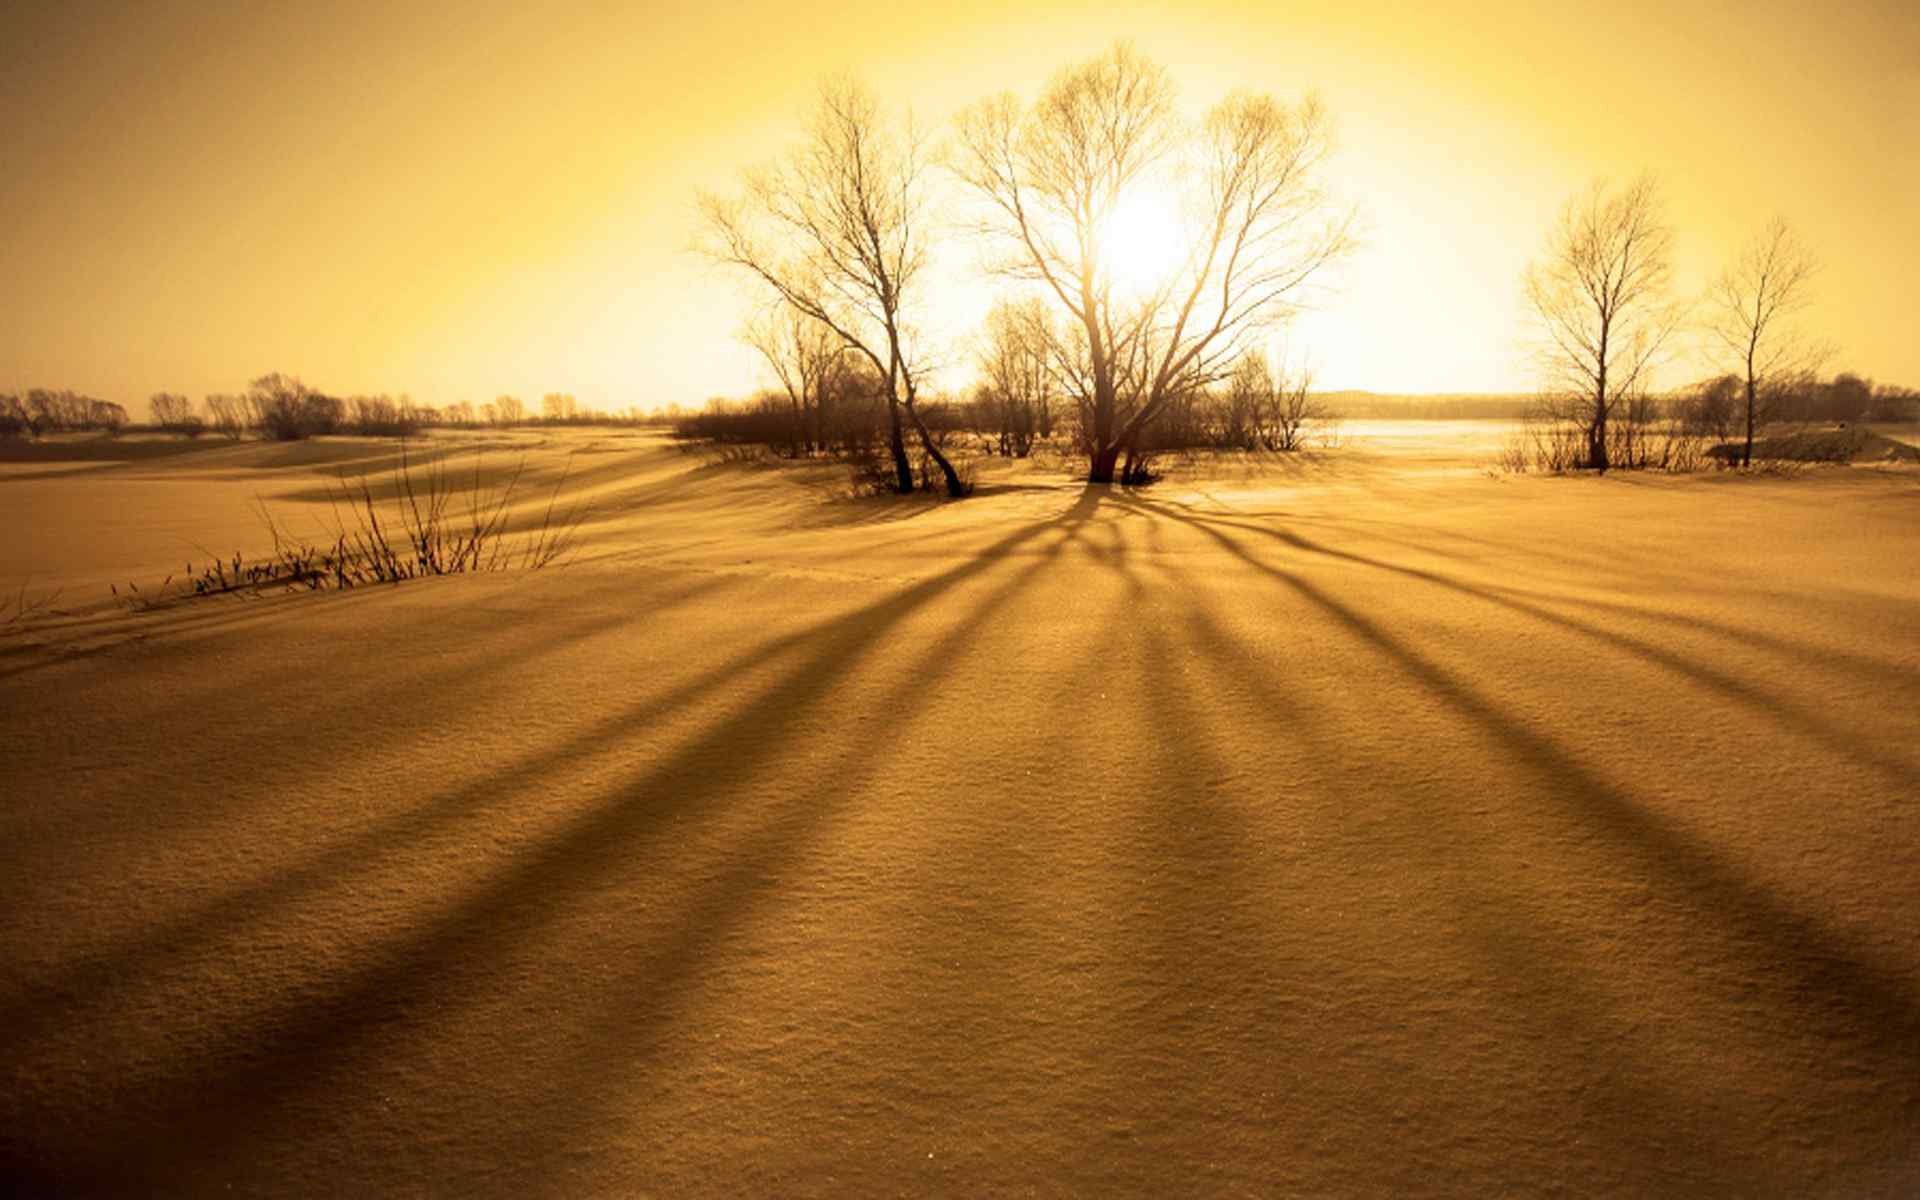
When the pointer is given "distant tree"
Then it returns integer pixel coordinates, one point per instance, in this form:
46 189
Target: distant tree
381 416
838 233
1279 406
1845 397
1753 305
558 406
275 401
1053 176
1892 402
13 416
1017 372
1711 407
508 410
172 411
1600 297
105 414
43 411
288 410
804 356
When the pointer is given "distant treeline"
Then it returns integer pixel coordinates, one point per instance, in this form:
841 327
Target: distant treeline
1845 397
283 408
41 410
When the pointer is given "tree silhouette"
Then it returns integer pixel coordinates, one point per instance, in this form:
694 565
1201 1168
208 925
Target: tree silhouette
1753 304
804 356
838 233
1600 297
1054 174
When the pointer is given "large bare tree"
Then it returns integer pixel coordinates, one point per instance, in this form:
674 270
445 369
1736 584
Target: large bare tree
1752 305
1257 227
1601 299
838 233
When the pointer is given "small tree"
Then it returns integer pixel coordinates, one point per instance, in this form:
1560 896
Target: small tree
172 411
289 410
838 234
1710 407
228 414
1753 305
1600 297
804 356
1279 405
1015 365
106 414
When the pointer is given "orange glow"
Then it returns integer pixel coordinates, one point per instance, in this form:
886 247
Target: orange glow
382 198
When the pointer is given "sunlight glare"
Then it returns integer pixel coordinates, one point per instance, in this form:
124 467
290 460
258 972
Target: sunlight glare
1143 240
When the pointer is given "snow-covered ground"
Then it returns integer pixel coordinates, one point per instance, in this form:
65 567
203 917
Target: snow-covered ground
1362 823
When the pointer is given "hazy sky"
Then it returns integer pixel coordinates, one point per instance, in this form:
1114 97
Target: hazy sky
458 201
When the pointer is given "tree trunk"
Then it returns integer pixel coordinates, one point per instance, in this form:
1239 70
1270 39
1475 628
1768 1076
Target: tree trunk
896 442
955 488
1597 440
1106 447
1104 460
1746 456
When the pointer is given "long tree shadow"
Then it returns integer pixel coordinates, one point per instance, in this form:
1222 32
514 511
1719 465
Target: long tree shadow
59 996
1384 996
215 1101
1769 704
1858 999
655 988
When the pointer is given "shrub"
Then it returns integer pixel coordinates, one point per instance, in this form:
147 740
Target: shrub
434 524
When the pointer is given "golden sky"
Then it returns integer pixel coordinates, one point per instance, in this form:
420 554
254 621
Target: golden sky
458 201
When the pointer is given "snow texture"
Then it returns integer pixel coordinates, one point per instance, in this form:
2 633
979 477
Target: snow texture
1359 824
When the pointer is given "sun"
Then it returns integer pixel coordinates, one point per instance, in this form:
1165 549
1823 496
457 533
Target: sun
1143 240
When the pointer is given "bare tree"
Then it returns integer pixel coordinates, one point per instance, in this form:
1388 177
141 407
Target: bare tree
228 413
1259 229
1753 304
1708 408
1017 373
1601 300
1278 405
172 411
509 410
289 410
804 356
838 234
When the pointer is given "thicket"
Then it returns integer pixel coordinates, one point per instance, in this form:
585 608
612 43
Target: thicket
43 410
1253 409
428 519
